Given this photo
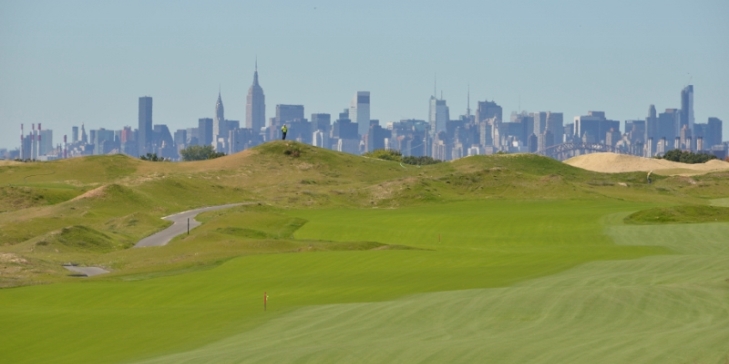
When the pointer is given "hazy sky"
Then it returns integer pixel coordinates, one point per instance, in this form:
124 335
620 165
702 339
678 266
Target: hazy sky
67 62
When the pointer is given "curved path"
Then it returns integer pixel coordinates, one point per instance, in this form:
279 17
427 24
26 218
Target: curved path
179 227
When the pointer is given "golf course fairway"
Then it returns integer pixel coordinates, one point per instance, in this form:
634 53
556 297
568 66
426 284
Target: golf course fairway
660 309
501 269
497 259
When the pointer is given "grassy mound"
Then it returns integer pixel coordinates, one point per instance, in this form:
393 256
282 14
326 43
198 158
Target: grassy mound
86 239
14 198
686 214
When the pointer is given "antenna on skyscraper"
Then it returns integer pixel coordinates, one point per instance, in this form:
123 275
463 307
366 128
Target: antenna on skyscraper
435 85
468 101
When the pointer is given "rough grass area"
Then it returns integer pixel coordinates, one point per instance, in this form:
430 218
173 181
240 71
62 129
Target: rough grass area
686 214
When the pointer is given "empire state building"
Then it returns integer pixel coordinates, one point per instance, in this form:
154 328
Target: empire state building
256 106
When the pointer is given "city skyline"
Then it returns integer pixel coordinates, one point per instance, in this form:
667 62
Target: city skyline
440 137
74 64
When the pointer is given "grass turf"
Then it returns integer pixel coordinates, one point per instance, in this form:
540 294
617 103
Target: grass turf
484 244
502 220
659 309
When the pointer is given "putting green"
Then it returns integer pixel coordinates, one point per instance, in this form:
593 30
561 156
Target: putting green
492 243
660 309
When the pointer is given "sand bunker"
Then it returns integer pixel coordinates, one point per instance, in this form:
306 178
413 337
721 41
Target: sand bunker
618 163
96 192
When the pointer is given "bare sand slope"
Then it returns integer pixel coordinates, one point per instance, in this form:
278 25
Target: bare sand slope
617 163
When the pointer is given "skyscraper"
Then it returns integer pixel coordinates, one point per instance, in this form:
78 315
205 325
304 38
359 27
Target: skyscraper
205 131
256 106
713 132
219 121
84 137
359 111
488 110
438 115
145 125
687 108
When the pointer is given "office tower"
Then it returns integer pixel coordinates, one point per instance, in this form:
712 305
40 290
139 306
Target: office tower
488 110
163 135
288 113
668 122
320 139
84 137
205 131
219 127
612 137
321 122
687 108
344 128
651 129
128 142
685 138
593 127
103 141
712 136
555 124
545 140
525 124
255 106
540 122
438 115
180 138
636 131
359 111
74 134
192 137
376 136
145 137
45 144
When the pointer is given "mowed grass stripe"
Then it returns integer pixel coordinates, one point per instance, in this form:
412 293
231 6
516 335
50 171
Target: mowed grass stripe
660 309
111 321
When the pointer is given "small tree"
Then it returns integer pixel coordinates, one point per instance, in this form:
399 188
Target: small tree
152 157
199 153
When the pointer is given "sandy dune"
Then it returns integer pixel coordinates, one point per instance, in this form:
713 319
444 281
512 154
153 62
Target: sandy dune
617 163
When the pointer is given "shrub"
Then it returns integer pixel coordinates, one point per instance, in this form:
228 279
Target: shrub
677 155
152 157
199 153
420 161
386 154
292 151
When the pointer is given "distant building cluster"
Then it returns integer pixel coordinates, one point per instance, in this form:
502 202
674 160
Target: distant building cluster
354 131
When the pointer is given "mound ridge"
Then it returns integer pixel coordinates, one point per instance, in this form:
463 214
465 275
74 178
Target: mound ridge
621 163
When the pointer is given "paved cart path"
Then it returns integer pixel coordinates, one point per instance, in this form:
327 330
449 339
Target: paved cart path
179 226
86 271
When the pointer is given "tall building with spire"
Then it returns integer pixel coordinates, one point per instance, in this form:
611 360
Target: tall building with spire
687 108
219 125
256 106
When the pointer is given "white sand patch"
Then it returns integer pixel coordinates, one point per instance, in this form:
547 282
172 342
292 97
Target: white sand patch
619 163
